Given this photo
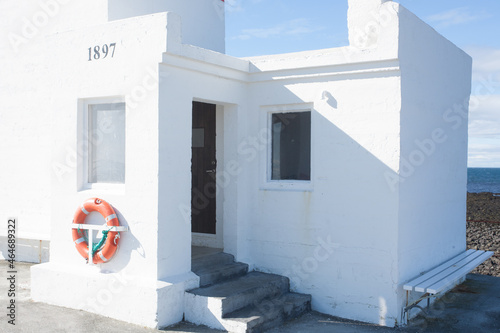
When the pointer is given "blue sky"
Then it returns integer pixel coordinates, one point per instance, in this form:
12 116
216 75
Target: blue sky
259 27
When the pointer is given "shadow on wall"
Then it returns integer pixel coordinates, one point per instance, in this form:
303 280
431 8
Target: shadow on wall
340 238
127 243
124 253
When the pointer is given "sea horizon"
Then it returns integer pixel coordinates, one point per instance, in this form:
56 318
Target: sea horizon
483 179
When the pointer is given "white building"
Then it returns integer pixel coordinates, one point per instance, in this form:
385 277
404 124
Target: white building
342 169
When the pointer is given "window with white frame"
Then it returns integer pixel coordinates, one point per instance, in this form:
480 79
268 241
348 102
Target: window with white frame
291 146
106 143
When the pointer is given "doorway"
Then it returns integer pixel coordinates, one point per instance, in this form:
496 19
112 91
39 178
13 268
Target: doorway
203 169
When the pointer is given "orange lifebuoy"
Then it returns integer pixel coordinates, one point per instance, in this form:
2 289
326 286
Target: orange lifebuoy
105 209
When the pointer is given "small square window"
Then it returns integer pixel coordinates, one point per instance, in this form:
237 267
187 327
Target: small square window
106 143
291 146
198 140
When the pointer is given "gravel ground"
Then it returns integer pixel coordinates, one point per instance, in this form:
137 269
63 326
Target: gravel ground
484 235
483 207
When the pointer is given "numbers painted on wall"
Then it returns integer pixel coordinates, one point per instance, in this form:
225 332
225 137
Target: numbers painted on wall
101 52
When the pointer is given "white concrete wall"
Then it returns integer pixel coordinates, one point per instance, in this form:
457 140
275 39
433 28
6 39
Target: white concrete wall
203 21
132 76
335 238
436 85
25 124
26 127
26 22
374 222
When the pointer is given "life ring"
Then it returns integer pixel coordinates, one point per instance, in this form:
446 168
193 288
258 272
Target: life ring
108 250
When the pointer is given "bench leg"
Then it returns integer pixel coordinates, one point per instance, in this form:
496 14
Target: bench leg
407 301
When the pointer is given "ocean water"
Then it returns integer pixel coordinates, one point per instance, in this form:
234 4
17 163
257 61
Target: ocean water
483 180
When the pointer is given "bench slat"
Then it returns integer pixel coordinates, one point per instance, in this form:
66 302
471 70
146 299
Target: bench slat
457 275
411 284
422 287
27 235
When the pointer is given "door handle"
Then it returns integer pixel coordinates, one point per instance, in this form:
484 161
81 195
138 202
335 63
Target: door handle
210 171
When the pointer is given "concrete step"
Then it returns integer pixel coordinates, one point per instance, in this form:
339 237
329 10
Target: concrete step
218 273
231 299
208 305
268 313
202 261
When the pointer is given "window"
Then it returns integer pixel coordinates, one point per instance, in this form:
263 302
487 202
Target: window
198 138
106 143
291 146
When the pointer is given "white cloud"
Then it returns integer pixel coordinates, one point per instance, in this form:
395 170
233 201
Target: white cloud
484 154
238 5
456 16
486 64
233 6
484 118
291 28
484 132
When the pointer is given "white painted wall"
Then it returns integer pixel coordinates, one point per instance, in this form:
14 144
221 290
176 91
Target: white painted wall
436 85
356 140
26 128
360 138
333 237
131 75
27 22
203 21
24 121
49 79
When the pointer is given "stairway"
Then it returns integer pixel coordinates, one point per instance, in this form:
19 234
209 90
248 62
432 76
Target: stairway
231 299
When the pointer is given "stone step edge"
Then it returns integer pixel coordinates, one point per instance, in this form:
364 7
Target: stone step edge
212 259
269 313
210 276
277 286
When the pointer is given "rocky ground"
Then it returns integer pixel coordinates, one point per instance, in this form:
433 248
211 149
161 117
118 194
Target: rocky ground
484 235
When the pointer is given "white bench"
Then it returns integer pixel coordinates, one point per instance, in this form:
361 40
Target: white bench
443 277
38 237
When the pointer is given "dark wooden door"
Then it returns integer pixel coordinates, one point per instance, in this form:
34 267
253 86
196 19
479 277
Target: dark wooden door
203 165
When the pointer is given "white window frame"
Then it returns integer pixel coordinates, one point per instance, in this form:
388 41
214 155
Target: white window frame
83 146
267 183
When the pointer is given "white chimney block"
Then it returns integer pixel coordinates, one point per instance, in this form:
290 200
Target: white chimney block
363 22
203 21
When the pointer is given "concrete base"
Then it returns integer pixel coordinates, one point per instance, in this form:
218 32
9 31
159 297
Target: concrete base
145 302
